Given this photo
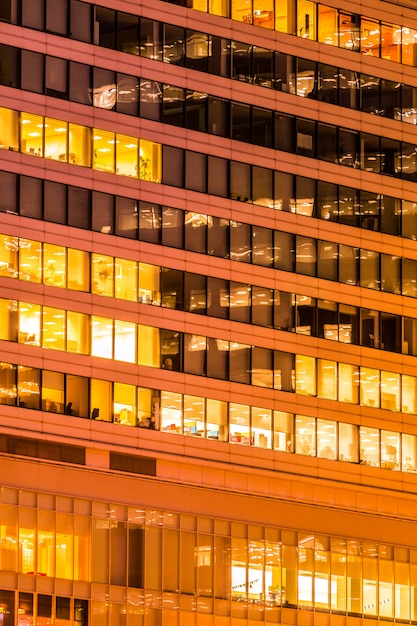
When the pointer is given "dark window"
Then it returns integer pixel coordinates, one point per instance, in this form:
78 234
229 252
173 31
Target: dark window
195 299
56 77
135 555
151 39
284 72
127 217
44 605
390 156
171 350
369 94
327 201
173 44
150 99
196 231
327 142
348 147
284 191
369 269
218 116
28 387
262 67
262 127
390 215
262 301
172 288
349 206
241 126
306 255
81 612
284 132
241 61
8 196
262 246
32 73
327 257
104 89
240 363
8 382
240 302
196 110
172 166
194 354
106 27
283 370
370 153
305 137
80 21
80 83
218 237
127 94
33 14
369 210
262 371
102 213
217 297
217 358
149 222
348 264
195 171
127 33
327 83
390 98
173 105
9 65
55 205
172 227
197 49
327 320
240 181
6 11
349 89
63 608
134 465
305 196
283 310
219 56
390 274
57 16
218 176
79 207
31 197
284 251
240 242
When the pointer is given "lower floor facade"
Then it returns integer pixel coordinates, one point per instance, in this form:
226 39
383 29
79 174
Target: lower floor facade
204 541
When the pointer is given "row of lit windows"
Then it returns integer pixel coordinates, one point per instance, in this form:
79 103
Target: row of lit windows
150 99
129 33
104 275
58 329
28 609
318 22
196 416
256 567
80 145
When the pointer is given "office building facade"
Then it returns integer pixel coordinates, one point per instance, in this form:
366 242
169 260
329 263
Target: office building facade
208 278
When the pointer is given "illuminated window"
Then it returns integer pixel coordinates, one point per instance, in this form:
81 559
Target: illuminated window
239 416
8 535
390 391
390 450
327 379
261 427
28 386
369 446
53 328
100 400
8 316
103 150
216 420
125 341
305 435
263 13
148 408
348 443
102 275
305 375
126 156
31 134
8 256
54 265
326 439
52 392
370 36
348 383
56 137
171 412
126 279
283 431
64 547
306 19
30 260
46 544
124 398
79 145
327 25
242 11
78 270
369 383
148 346
102 337
150 161
27 546
194 414
9 129
78 325
29 323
